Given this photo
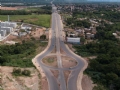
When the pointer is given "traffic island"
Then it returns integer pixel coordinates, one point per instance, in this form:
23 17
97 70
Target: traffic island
50 61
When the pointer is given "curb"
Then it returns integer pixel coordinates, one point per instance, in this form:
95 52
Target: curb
79 86
34 60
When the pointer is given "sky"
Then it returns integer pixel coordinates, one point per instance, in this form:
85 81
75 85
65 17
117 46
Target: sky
105 0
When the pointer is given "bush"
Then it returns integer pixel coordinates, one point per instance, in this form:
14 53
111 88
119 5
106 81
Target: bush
26 72
19 72
16 72
43 37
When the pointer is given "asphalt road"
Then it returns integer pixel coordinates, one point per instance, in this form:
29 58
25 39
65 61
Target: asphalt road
57 40
53 85
75 70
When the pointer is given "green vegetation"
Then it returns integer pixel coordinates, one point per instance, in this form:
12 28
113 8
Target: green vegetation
19 55
40 20
83 14
19 72
26 72
110 15
50 60
1 89
99 87
73 22
36 15
28 11
43 37
105 69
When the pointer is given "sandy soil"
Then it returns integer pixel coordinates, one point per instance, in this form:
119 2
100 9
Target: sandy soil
13 8
66 74
37 33
44 84
87 83
10 82
12 38
50 61
62 52
55 73
8 8
36 81
34 33
68 62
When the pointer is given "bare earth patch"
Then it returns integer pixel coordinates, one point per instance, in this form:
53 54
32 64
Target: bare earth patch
66 74
10 82
8 8
68 62
50 61
35 33
62 52
87 83
12 38
44 84
55 73
35 81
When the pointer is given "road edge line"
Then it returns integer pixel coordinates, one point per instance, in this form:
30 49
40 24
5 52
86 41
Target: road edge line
80 75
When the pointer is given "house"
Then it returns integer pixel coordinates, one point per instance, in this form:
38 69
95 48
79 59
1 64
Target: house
3 33
73 40
8 24
26 27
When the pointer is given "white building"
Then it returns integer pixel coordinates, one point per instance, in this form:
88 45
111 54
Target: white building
89 35
0 36
8 29
3 33
8 24
25 27
73 40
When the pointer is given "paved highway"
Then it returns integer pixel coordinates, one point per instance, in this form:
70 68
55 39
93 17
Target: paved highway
57 40
74 75
53 85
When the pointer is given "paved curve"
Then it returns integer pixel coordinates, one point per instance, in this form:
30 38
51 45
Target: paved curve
51 79
57 39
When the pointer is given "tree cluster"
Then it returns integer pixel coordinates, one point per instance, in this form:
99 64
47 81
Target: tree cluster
17 55
105 69
19 72
113 16
73 22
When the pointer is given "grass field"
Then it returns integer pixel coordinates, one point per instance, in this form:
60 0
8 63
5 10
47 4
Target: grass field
41 20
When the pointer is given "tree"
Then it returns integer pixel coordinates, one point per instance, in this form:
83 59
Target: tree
43 37
99 87
82 39
16 72
26 72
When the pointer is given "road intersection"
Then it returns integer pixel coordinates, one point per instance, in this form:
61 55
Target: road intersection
57 40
